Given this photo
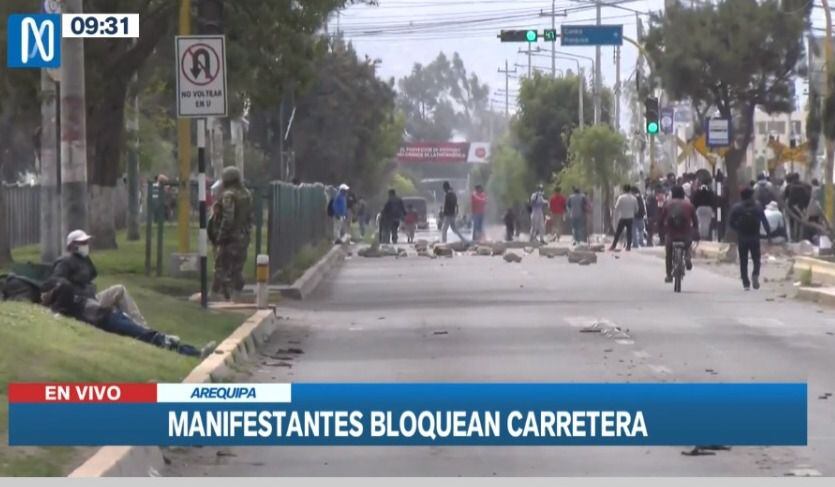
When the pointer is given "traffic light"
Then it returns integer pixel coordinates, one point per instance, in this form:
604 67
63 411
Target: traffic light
651 115
529 35
549 35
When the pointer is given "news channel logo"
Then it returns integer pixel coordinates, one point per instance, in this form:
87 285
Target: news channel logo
34 41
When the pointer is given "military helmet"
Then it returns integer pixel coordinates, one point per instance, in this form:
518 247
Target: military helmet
230 175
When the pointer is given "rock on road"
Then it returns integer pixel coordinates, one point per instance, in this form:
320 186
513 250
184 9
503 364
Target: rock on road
474 318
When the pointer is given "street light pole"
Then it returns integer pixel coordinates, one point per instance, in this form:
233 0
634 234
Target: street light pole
827 49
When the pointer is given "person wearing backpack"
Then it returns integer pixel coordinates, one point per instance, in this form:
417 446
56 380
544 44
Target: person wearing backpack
639 225
745 219
677 223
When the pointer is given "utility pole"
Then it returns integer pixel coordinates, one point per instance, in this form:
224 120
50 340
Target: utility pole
133 164
507 72
184 152
581 81
529 51
553 16
49 171
597 74
829 192
74 200
616 111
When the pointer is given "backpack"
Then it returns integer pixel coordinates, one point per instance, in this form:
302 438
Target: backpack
19 288
330 207
748 222
676 219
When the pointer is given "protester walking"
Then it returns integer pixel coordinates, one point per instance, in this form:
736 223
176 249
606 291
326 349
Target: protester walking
538 203
704 200
339 212
478 205
745 218
509 224
577 206
626 207
450 213
393 212
639 225
557 206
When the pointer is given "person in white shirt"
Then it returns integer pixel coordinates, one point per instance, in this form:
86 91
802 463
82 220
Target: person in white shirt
538 204
626 207
776 222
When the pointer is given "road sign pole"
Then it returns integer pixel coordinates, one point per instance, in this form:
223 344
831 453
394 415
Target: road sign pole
201 192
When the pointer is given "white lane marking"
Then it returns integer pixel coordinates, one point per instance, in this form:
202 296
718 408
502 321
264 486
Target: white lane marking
804 471
625 342
640 354
580 321
761 322
660 369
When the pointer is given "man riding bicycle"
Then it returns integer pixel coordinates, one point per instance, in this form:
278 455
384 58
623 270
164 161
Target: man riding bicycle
678 223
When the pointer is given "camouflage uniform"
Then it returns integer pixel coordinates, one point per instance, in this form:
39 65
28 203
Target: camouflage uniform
230 233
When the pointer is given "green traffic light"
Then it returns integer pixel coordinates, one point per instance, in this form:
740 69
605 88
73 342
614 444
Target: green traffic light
652 127
531 36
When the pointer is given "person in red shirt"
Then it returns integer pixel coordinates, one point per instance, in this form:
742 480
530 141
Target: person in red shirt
678 222
557 207
478 203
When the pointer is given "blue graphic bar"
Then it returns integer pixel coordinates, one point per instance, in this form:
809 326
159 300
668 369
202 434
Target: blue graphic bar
438 414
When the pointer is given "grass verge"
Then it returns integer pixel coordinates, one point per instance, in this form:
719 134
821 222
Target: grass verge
304 259
37 346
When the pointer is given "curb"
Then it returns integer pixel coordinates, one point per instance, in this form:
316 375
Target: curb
144 461
822 271
311 278
819 295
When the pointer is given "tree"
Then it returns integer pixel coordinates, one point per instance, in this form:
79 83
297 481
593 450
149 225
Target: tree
510 179
596 159
442 98
548 111
731 57
353 110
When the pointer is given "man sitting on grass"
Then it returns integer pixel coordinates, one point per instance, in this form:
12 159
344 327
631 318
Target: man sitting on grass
77 268
60 296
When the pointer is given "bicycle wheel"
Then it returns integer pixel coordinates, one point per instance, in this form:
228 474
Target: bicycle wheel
678 269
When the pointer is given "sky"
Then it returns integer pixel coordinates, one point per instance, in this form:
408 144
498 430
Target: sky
401 33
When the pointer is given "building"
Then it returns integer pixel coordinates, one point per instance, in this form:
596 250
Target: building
788 129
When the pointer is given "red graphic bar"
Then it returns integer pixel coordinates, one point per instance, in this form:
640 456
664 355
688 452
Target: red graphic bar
77 392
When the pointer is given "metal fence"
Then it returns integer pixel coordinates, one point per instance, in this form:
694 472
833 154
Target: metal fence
297 217
23 210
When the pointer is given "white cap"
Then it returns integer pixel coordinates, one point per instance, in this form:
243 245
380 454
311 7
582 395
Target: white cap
77 236
343 187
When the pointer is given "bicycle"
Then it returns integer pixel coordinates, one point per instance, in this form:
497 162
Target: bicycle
679 256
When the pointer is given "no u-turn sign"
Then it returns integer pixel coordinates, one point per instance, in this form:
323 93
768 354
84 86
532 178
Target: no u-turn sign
201 76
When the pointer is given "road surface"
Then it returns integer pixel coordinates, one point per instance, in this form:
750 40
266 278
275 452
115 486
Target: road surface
376 320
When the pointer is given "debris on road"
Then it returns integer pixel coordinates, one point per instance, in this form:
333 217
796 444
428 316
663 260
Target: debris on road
578 256
421 245
512 257
484 250
440 332
825 396
551 252
443 250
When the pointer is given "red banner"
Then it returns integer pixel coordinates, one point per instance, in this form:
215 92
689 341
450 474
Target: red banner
444 152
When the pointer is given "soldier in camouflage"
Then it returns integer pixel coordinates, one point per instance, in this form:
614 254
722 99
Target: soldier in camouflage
229 231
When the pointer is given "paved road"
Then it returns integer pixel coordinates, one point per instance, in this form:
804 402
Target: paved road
374 320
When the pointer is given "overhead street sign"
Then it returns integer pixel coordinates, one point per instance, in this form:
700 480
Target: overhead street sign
718 132
591 35
201 76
